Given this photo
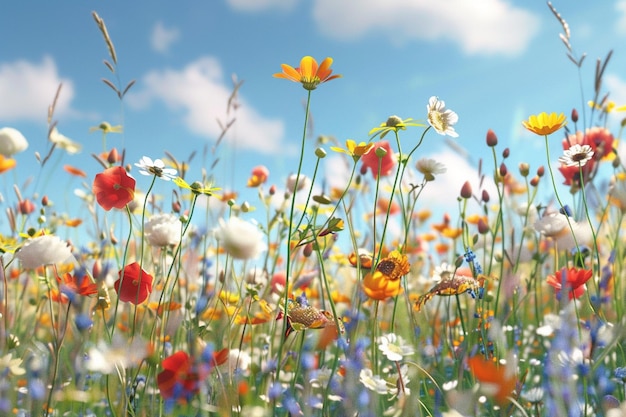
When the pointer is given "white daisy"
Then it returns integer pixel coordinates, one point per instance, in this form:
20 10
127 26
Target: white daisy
157 167
393 347
576 155
440 118
373 382
430 167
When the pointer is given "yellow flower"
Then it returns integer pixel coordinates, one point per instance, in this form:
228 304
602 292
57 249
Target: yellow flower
105 127
393 124
544 123
607 107
354 150
6 163
308 73
385 281
196 187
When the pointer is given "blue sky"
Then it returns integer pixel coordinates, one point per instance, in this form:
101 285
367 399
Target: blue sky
494 62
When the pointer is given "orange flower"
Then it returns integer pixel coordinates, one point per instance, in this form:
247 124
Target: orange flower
385 281
76 284
74 171
383 205
258 176
496 381
308 73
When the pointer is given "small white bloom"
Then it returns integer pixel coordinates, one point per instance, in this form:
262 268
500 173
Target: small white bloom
303 181
63 142
43 250
393 347
237 360
557 227
429 168
120 354
576 155
551 322
157 167
240 239
12 141
440 118
163 230
12 365
372 382
443 272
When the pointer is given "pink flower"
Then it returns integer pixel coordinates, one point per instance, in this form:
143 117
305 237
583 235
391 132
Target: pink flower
379 165
258 176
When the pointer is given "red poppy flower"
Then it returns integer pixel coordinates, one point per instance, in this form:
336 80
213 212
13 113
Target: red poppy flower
134 284
571 174
372 162
179 377
572 279
599 138
114 188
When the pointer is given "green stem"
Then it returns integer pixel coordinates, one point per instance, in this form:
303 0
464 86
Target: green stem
290 232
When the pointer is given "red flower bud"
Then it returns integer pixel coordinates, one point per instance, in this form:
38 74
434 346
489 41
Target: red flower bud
492 139
466 190
540 171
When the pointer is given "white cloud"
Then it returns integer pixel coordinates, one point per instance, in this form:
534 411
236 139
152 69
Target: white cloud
443 192
617 89
201 94
479 27
163 38
260 5
27 89
620 25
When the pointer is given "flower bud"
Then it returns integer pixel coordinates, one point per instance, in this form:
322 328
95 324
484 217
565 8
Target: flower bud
466 190
534 181
307 251
492 139
320 153
245 207
485 196
540 171
96 270
483 227
176 207
25 207
616 161
506 152
44 201
380 152
393 121
574 115
524 168
113 156
503 170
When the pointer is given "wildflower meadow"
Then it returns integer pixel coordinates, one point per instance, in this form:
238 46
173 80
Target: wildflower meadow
356 300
